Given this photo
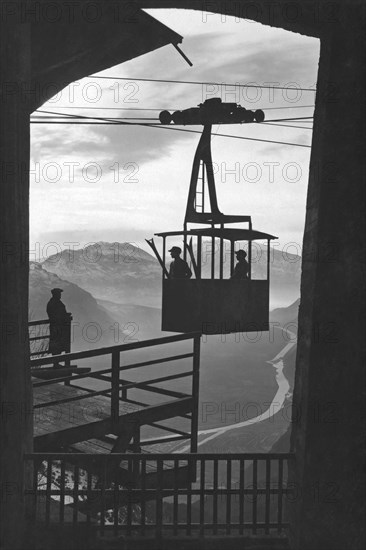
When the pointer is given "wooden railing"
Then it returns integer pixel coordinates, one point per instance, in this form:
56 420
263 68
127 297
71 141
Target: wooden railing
231 494
39 337
117 388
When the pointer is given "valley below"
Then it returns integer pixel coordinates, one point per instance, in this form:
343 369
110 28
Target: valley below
246 380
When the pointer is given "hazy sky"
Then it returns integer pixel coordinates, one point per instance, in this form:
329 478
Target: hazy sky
92 183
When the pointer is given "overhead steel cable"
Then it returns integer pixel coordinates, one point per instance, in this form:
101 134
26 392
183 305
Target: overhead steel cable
156 121
59 115
109 119
107 108
293 107
287 119
97 120
237 85
156 109
290 126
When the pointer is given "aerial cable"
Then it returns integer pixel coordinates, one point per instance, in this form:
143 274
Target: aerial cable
92 120
202 83
116 119
155 120
156 109
289 126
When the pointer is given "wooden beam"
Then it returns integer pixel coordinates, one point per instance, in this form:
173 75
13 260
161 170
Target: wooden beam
93 430
124 437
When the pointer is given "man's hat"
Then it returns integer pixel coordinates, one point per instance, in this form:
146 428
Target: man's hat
175 249
56 290
241 253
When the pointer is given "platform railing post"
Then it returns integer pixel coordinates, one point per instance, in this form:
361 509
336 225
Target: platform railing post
221 253
213 255
136 440
68 342
268 272
164 256
68 346
195 393
250 250
115 388
250 259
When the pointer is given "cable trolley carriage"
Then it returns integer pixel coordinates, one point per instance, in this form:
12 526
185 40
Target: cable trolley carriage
221 296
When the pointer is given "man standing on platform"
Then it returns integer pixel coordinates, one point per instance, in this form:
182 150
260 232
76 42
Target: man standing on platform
60 321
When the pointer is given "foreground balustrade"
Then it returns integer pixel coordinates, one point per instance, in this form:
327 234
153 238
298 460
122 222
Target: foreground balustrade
204 495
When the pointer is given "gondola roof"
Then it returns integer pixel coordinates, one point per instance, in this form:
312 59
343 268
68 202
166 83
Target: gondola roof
230 234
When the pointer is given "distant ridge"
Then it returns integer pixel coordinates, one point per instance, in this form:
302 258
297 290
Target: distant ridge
127 274
118 272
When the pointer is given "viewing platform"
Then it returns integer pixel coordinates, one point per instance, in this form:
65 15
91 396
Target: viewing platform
103 412
98 477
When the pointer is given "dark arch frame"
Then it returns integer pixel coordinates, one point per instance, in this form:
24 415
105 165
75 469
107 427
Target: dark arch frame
331 320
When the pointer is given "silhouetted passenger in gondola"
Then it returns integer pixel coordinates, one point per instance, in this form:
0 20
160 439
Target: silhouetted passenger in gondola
59 324
241 270
179 269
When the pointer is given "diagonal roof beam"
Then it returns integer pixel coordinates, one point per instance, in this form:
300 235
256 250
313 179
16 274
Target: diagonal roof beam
84 42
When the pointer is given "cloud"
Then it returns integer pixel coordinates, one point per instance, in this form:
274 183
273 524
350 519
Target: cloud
221 52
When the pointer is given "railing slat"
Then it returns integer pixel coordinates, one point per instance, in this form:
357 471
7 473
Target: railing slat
195 393
34 338
89 489
159 499
36 466
76 494
123 347
115 503
215 494
191 464
36 323
48 490
166 456
140 385
62 491
129 495
115 387
103 482
87 395
255 493
143 488
228 496
280 495
268 496
175 497
241 496
202 497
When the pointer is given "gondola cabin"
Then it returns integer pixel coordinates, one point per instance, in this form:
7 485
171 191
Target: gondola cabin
214 300
222 295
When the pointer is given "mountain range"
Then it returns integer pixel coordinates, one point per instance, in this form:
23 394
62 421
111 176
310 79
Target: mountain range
116 272
126 274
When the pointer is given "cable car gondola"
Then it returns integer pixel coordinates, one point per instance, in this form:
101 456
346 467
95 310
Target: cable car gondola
213 301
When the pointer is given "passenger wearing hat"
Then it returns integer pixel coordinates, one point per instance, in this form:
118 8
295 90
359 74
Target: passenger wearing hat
59 324
241 269
179 269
